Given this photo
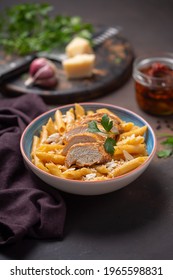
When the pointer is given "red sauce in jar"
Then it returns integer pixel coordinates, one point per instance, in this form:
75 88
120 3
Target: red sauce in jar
154 93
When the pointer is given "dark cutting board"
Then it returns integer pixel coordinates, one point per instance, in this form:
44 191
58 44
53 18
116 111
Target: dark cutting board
113 67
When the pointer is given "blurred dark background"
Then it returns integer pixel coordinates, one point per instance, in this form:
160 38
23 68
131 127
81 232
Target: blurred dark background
143 22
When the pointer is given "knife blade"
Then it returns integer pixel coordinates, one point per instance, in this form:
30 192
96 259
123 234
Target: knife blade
15 67
97 40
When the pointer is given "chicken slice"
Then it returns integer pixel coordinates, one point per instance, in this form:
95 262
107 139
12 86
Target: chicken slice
86 154
85 137
76 130
98 116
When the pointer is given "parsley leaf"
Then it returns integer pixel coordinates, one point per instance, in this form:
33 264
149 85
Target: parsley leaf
168 141
106 122
109 145
168 151
92 127
21 32
164 153
107 125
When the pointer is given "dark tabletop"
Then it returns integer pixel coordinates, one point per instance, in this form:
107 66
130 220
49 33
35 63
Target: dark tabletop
135 222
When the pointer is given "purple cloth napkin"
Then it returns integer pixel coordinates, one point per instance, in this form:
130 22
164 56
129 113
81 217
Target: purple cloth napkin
28 207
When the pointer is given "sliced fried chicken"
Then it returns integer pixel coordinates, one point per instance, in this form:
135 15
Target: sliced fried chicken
85 137
86 154
75 130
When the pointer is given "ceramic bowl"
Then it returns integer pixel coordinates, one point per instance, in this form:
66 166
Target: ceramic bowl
87 187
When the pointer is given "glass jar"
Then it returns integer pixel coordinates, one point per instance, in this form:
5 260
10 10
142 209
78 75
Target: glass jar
153 77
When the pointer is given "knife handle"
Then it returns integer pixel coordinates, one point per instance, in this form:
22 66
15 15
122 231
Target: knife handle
9 70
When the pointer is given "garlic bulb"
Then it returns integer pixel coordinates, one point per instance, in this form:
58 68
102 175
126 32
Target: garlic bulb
43 73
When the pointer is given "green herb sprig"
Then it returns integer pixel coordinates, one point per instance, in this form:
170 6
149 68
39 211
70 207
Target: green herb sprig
168 150
109 145
92 127
107 124
28 28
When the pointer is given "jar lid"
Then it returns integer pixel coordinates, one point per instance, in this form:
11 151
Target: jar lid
154 70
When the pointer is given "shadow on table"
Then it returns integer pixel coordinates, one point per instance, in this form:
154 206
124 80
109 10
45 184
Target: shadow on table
125 210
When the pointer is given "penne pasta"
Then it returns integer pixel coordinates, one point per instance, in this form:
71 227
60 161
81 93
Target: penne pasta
76 174
131 149
106 111
53 169
79 111
128 166
53 147
48 157
138 131
127 126
128 150
59 122
90 112
131 140
35 145
43 135
50 127
70 118
40 165
102 169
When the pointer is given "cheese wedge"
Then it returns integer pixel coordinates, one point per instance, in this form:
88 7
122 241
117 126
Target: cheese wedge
79 66
78 46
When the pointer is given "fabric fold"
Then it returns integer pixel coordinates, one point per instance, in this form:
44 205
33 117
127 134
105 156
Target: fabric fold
28 206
